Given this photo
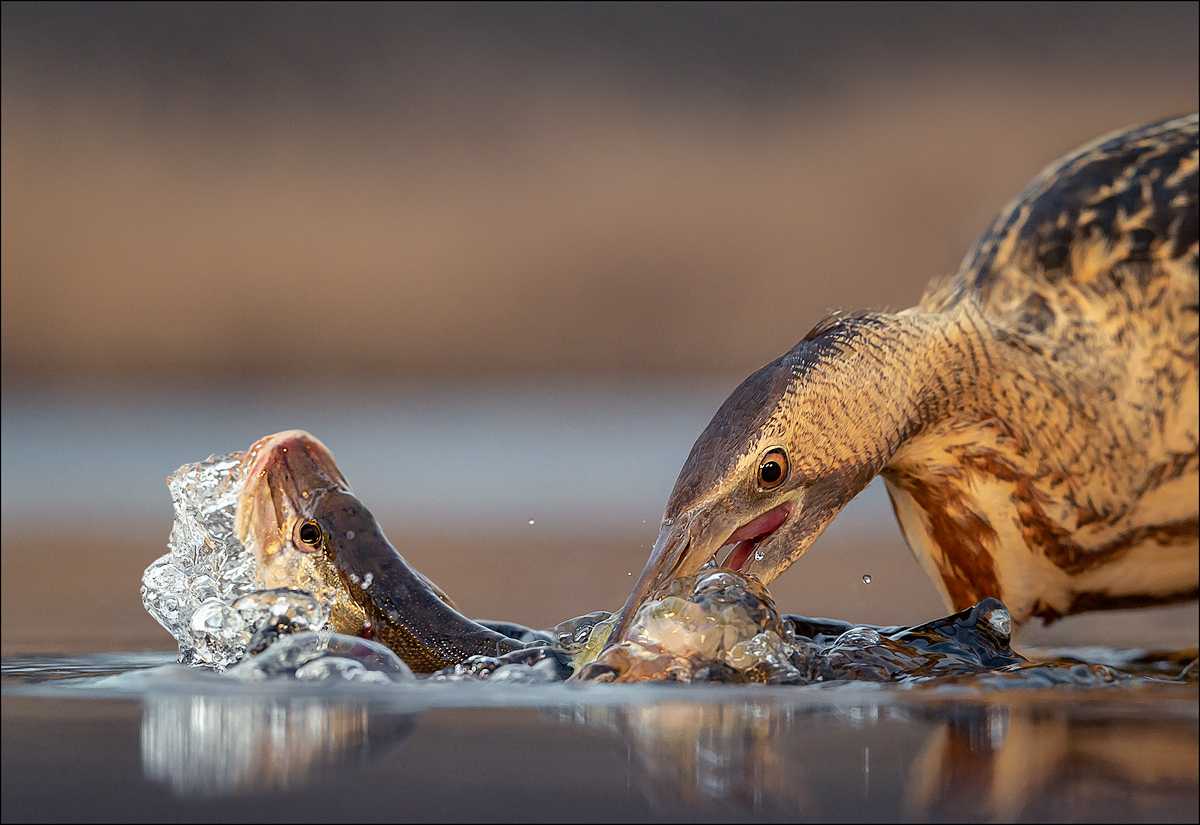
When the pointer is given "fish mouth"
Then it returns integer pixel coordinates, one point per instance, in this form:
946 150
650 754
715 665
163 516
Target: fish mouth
749 536
286 475
294 455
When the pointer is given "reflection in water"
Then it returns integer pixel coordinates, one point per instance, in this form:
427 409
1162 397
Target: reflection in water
1029 757
993 762
697 752
218 745
997 764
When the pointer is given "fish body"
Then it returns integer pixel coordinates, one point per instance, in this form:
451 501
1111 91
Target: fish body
309 530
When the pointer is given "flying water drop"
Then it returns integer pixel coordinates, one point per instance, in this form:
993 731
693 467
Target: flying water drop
866 578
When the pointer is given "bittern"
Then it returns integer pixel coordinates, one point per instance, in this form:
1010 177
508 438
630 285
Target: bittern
1034 417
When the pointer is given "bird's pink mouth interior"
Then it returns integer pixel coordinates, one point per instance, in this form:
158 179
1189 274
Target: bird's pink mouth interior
747 537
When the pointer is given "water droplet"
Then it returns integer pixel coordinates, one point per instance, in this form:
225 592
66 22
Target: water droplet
630 573
758 555
866 578
531 521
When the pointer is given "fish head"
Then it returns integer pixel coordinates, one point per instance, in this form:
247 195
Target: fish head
290 478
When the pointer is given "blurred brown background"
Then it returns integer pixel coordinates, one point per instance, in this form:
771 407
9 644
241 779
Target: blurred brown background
400 190
311 201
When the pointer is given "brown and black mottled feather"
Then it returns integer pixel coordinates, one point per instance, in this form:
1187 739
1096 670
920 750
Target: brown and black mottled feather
1085 296
1034 417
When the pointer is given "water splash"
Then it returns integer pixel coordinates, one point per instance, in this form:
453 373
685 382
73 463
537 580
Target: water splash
206 591
717 626
722 626
189 590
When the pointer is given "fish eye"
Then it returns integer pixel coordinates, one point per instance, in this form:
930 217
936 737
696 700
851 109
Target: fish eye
310 533
773 468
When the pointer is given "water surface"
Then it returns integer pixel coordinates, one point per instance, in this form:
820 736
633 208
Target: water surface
143 742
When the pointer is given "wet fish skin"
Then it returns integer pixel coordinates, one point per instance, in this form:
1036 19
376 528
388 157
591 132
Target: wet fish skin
303 520
404 611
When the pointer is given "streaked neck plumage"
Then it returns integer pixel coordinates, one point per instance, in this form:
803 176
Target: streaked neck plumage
1012 475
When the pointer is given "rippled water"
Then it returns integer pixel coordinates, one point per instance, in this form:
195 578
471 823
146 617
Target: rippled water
147 738
939 721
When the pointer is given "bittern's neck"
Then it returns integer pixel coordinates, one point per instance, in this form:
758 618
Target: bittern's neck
893 377
948 368
952 371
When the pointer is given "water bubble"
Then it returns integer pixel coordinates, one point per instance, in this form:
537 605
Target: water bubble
859 637
333 668
281 610
349 534
866 578
218 634
522 674
321 656
1000 621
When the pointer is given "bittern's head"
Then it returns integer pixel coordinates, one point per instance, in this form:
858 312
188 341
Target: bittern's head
784 453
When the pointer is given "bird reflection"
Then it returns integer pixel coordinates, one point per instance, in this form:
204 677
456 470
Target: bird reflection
1002 764
701 752
987 761
224 745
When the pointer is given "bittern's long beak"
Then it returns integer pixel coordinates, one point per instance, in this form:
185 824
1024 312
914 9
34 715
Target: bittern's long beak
684 545
670 559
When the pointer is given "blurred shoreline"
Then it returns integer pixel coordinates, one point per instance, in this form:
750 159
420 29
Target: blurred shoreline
455 476
531 502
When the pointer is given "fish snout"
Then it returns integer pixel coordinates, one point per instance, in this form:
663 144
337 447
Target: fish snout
286 475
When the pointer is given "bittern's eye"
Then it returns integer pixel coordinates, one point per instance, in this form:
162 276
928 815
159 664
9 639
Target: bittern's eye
773 468
310 534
